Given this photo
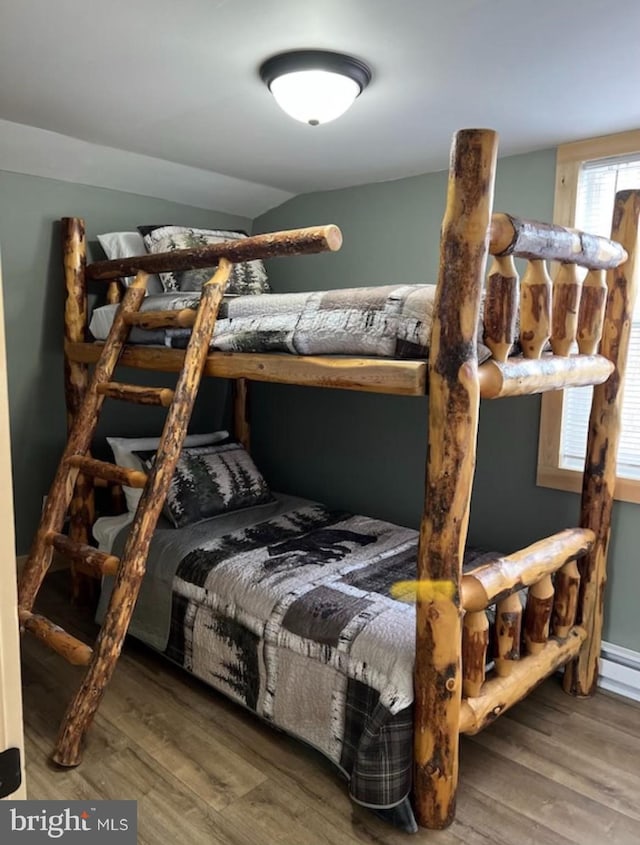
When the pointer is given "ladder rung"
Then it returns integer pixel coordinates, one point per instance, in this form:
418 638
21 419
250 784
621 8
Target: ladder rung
134 393
183 319
92 560
110 472
71 648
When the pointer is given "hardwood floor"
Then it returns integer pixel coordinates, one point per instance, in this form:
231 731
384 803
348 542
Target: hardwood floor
553 771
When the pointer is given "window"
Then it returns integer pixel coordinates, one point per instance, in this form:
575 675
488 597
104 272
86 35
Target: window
588 175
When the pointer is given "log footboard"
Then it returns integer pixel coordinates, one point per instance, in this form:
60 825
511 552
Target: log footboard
550 638
501 693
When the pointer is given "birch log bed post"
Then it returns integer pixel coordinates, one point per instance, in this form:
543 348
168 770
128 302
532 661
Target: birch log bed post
76 381
581 676
454 397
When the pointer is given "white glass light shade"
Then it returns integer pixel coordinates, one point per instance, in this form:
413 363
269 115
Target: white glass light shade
314 96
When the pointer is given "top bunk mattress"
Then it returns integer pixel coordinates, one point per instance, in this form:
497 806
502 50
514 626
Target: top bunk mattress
390 321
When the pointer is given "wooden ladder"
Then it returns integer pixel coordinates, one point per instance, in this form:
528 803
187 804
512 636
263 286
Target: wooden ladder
130 568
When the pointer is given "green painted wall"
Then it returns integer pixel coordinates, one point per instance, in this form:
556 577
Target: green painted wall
30 208
366 452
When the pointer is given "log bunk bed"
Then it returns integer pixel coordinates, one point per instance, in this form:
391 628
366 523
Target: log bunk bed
563 576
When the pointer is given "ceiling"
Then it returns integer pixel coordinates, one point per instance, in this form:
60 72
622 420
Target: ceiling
178 80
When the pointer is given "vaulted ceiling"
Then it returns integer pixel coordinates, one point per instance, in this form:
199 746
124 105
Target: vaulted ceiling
179 81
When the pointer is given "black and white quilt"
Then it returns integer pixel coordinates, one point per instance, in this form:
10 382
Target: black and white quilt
389 321
292 617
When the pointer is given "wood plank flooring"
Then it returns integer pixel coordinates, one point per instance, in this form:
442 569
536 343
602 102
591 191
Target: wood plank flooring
553 771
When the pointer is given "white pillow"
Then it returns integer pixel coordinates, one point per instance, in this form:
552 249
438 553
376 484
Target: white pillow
128 245
123 448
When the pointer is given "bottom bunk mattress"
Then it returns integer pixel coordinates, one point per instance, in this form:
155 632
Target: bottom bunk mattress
287 608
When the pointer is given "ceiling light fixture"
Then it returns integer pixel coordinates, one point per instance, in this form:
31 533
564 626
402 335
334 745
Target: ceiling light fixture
315 86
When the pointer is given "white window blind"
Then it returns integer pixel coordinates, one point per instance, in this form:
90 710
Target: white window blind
597 186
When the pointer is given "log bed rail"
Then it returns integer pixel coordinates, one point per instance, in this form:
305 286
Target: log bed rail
509 236
567 332
515 377
549 620
564 313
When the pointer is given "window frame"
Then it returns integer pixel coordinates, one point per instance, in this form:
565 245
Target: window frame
569 160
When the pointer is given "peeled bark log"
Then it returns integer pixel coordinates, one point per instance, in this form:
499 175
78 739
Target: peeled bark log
117 504
593 302
602 445
453 421
110 472
75 309
76 380
499 694
114 292
71 648
272 245
95 562
508 630
538 615
501 307
534 240
475 641
241 424
183 319
372 375
564 311
565 605
524 376
535 309
511 573
136 394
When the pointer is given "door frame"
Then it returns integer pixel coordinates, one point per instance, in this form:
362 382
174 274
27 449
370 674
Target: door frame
11 724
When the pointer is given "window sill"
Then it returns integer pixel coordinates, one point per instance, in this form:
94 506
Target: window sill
558 478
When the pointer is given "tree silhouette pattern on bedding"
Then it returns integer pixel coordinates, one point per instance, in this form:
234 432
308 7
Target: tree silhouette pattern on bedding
211 480
293 617
267 615
248 277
